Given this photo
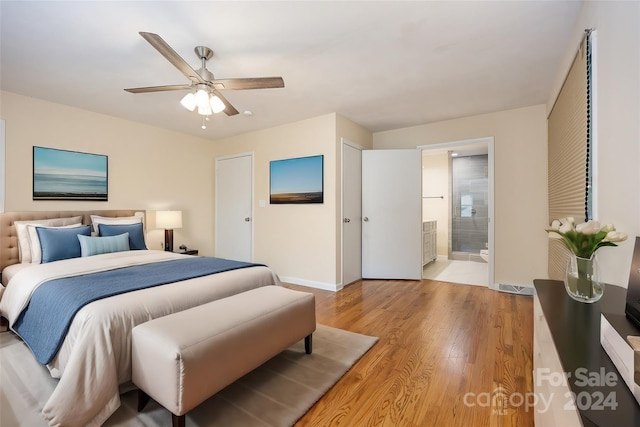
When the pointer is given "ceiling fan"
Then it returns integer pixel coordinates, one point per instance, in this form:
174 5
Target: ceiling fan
206 97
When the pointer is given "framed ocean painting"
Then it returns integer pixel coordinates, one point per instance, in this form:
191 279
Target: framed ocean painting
298 180
69 175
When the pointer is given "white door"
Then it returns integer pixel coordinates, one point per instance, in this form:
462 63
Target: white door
351 213
234 207
392 214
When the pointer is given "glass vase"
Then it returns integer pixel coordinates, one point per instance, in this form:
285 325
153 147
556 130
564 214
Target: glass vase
582 279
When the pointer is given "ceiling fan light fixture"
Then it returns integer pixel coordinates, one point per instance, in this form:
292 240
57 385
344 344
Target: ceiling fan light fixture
203 86
216 103
189 101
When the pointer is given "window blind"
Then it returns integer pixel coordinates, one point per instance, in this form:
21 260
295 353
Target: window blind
569 152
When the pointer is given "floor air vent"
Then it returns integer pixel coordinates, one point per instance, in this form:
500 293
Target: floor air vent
515 289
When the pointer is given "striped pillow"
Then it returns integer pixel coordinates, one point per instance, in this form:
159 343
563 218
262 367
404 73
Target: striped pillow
102 245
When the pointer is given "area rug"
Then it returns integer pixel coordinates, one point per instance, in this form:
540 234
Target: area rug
276 394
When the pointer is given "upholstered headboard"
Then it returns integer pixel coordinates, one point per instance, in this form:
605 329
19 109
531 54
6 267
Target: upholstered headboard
9 238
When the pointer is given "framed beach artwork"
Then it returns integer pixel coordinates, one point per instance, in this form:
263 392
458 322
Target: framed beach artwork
295 181
69 175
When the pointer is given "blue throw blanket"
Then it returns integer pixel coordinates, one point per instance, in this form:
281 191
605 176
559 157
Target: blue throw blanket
46 320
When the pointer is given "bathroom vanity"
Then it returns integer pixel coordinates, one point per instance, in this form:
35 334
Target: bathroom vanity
429 242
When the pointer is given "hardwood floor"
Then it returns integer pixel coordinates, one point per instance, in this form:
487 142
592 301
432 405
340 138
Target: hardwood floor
447 355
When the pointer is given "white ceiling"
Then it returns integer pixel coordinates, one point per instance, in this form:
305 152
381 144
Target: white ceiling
383 64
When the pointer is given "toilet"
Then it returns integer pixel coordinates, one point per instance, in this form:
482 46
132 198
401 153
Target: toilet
484 254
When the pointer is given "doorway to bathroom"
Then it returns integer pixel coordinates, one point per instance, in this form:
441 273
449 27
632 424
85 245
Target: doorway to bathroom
469 190
457 202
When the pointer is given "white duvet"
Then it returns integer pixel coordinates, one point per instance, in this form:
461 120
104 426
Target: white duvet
95 357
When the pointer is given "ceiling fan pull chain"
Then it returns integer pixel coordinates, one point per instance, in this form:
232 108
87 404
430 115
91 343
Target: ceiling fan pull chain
204 126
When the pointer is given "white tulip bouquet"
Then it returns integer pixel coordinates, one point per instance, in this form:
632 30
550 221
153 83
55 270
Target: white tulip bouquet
583 240
586 238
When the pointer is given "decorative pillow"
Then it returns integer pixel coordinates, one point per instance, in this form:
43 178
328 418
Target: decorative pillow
123 220
90 246
61 243
24 244
36 250
136 234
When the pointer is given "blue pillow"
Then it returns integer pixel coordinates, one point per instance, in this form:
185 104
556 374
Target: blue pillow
102 245
136 235
61 243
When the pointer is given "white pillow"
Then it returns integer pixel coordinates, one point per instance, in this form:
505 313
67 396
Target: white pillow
36 249
123 220
24 243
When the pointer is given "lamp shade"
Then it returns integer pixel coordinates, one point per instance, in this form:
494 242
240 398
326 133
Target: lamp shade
189 101
216 104
205 111
202 98
169 220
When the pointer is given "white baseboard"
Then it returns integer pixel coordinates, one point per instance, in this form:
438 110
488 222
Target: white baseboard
311 284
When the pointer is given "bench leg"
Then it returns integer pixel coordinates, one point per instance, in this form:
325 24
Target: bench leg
308 344
143 399
178 420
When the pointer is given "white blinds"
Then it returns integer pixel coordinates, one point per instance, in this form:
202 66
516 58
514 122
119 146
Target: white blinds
569 140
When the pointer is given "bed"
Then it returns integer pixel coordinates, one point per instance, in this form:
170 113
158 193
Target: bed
93 360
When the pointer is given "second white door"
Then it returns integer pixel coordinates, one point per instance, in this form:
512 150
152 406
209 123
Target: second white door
392 214
234 207
351 213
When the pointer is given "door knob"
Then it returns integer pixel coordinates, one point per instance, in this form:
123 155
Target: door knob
347 220
365 219
247 219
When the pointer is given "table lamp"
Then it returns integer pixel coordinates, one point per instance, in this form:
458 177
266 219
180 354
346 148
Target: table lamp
169 220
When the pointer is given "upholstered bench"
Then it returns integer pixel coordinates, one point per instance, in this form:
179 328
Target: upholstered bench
182 359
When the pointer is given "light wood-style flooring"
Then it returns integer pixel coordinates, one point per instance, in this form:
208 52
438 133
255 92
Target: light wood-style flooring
447 355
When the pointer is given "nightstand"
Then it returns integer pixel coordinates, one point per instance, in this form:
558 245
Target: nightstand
188 252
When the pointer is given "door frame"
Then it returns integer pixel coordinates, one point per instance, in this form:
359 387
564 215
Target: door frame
351 144
489 140
249 154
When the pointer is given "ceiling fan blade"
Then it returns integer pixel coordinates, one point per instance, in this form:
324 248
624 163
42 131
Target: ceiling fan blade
249 83
158 88
172 56
230 110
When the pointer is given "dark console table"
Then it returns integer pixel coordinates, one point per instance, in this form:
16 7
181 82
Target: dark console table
575 331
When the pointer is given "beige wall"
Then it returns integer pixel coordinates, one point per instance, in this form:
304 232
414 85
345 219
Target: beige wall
299 242
520 147
617 123
153 169
149 168
435 182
